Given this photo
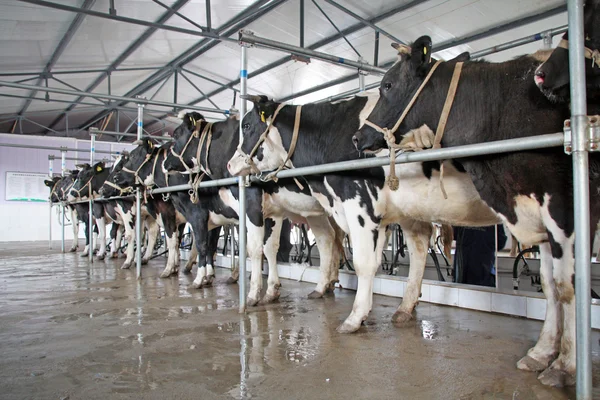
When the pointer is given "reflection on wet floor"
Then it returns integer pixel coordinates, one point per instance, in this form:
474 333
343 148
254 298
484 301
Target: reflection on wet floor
68 328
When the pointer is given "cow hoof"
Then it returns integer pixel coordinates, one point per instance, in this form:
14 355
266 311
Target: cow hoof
401 317
251 301
347 327
114 255
145 261
188 269
270 298
167 273
198 285
556 378
231 280
101 257
528 363
126 265
72 249
315 295
83 255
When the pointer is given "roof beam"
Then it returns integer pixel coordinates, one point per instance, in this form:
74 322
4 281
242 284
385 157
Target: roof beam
128 51
231 27
62 45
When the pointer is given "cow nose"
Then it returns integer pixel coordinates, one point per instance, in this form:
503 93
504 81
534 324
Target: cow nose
540 77
355 141
229 166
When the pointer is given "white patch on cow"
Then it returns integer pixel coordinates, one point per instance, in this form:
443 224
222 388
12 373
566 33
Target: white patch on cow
149 180
529 227
367 109
200 277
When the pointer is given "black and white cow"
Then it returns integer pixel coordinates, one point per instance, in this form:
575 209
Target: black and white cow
531 191
552 77
147 160
59 191
273 201
90 180
359 201
162 211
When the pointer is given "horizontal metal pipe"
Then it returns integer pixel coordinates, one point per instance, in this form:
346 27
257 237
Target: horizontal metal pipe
79 71
109 97
214 183
496 147
246 37
31 146
94 131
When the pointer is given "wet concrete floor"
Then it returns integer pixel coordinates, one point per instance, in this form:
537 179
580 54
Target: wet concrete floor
73 330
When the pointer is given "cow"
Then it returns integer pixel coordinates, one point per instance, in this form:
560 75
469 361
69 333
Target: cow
552 76
202 147
530 191
89 181
59 190
359 201
145 161
162 211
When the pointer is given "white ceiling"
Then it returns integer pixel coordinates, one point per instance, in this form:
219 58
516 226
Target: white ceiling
29 35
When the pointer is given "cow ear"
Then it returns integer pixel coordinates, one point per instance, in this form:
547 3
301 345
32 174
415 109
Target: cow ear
462 57
420 55
49 183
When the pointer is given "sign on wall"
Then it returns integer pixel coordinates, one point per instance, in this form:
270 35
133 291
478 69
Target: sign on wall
26 186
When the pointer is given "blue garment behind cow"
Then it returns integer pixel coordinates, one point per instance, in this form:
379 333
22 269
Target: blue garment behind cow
474 260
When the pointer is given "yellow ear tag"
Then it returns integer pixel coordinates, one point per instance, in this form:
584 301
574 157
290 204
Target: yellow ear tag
151 144
262 116
425 50
99 168
193 121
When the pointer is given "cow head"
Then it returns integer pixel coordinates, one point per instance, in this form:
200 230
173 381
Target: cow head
397 88
182 153
270 153
90 178
137 160
53 185
552 77
109 187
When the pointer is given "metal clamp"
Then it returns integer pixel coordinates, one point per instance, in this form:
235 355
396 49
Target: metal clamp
245 32
593 127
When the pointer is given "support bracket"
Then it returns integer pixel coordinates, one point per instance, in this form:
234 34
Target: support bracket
593 137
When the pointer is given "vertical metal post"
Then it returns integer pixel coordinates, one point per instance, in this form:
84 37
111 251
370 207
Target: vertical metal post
175 86
376 55
67 124
496 256
547 40
138 203
394 247
63 166
232 241
581 199
91 203
241 185
50 173
301 23
208 16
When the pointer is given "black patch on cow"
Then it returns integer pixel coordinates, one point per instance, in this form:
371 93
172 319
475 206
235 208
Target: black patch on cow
269 224
375 238
429 166
361 221
555 247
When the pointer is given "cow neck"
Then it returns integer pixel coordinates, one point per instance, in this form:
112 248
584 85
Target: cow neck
161 178
223 147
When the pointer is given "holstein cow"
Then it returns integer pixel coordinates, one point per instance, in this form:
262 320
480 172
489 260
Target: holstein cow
145 165
89 181
552 77
79 212
162 211
531 191
205 148
359 201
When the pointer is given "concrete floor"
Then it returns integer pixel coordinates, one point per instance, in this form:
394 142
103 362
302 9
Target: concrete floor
73 330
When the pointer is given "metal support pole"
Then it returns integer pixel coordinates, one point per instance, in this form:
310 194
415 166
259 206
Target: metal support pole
579 126
138 203
394 247
361 79
91 203
63 167
50 172
208 16
376 54
301 23
232 240
242 186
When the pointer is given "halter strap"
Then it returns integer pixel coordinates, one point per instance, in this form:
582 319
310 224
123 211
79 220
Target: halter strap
137 171
87 185
588 53
121 190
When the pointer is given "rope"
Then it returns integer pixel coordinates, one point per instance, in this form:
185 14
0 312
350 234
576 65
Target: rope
588 53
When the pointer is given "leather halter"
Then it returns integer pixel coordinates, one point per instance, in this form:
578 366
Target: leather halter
88 185
588 53
248 157
205 137
388 134
135 173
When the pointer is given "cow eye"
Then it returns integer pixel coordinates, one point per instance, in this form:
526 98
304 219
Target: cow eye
246 126
387 86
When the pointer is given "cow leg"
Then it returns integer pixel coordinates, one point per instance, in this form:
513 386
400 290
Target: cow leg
545 350
130 238
235 271
271 247
152 235
325 237
562 371
338 248
417 236
86 250
101 223
254 241
213 241
193 258
95 242
200 227
367 242
116 244
75 226
172 238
